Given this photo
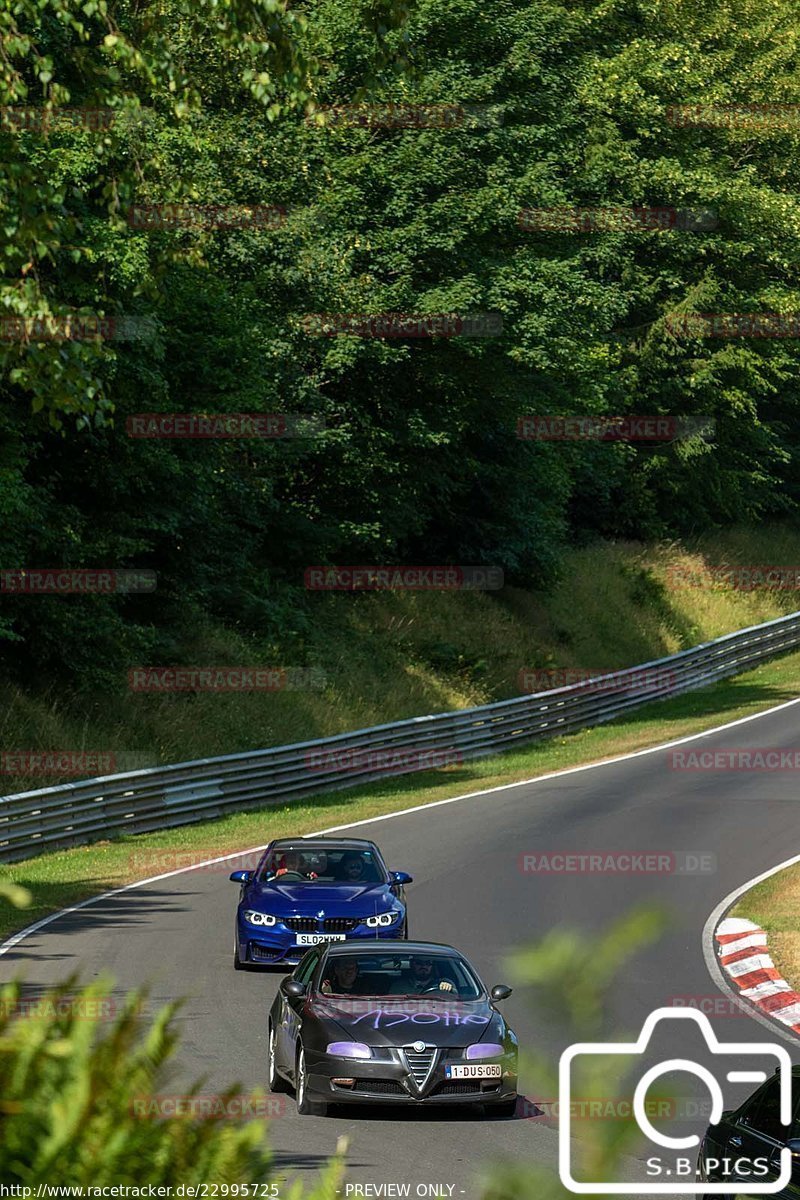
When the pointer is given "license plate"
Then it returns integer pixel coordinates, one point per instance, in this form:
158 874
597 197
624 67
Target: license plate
474 1071
314 939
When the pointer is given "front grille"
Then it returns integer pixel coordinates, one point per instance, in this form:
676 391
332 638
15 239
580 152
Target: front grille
459 1087
381 1087
420 1064
264 953
329 925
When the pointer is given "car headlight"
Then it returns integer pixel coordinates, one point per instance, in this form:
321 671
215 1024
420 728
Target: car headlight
382 919
484 1050
259 918
348 1050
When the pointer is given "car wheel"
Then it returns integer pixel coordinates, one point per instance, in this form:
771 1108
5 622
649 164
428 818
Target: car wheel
275 1082
238 965
305 1107
506 1108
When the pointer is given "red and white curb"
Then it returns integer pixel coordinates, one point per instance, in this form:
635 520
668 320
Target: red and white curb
744 957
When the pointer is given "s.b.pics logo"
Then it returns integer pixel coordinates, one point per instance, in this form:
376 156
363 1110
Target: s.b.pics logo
733 1156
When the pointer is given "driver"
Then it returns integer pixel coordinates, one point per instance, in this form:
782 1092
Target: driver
294 864
423 977
343 978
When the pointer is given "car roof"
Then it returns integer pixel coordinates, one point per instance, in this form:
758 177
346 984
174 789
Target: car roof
356 843
348 949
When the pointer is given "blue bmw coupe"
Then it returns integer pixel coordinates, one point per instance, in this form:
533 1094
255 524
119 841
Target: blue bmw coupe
306 891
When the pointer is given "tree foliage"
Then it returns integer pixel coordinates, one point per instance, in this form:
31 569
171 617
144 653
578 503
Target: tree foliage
229 103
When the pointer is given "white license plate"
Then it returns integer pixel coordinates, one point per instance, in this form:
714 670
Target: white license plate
314 939
474 1071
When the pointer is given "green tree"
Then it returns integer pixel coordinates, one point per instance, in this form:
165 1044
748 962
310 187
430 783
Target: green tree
418 459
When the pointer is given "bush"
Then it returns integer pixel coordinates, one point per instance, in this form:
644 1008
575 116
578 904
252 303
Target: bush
78 1106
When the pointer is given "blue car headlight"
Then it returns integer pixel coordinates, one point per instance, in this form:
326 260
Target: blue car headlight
348 1050
382 920
258 918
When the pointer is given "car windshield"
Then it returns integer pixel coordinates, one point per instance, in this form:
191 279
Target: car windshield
315 864
416 973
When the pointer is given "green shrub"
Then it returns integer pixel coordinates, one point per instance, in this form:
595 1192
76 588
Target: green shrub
80 1087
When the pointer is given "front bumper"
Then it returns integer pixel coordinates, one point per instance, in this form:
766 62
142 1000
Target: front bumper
277 944
389 1080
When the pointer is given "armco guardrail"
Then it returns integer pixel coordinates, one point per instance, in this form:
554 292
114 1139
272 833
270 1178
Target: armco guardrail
163 797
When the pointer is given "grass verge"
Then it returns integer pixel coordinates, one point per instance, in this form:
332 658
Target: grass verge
66 876
383 656
775 906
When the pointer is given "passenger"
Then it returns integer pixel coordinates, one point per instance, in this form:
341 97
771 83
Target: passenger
352 867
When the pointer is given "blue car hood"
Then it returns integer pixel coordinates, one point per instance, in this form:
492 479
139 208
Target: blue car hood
307 899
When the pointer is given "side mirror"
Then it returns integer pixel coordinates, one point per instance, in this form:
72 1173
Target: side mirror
400 877
793 1144
293 988
500 992
241 876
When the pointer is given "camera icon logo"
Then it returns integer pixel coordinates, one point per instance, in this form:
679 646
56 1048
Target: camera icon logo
735 1051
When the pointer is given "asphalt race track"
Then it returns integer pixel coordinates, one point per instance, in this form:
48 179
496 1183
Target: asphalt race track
469 890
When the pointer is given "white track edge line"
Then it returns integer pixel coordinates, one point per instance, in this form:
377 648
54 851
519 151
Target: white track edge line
16 938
